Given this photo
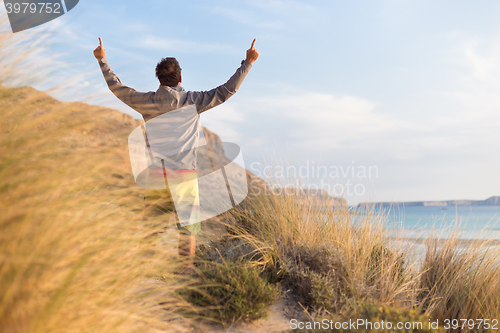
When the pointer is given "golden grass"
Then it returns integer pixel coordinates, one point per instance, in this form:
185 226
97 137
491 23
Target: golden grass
462 282
281 227
71 221
332 259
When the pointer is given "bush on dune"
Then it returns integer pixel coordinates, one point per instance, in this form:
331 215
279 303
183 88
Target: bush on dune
371 316
231 291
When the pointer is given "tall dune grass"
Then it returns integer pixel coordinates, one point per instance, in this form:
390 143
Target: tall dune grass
349 255
462 282
23 58
71 223
345 265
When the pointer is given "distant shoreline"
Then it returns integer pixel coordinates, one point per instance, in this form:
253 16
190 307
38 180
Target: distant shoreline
442 241
491 201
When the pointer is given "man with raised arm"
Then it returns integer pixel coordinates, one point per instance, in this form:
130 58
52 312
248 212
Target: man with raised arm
171 96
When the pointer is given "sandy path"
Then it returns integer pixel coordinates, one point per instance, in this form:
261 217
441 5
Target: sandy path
276 322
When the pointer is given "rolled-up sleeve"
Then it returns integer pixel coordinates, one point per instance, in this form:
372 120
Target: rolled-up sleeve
205 100
127 95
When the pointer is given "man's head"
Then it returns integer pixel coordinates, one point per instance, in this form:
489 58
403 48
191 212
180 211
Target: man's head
168 72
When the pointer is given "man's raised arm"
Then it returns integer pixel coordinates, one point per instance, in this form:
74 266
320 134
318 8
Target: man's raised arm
205 100
126 94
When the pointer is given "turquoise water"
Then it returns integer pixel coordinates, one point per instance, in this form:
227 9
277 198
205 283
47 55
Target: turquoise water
482 222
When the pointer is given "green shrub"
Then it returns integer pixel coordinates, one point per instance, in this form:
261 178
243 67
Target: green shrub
373 315
232 291
227 248
318 277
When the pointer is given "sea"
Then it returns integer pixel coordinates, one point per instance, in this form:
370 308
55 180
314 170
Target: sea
409 227
464 222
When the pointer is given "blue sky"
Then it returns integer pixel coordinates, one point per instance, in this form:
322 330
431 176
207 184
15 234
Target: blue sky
406 89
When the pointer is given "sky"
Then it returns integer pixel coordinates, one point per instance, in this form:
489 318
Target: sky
390 100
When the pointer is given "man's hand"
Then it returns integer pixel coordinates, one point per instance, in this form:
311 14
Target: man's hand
100 52
252 53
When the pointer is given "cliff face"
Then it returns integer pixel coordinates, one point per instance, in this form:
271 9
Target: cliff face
492 201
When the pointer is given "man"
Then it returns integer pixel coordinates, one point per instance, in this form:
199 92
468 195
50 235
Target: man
170 97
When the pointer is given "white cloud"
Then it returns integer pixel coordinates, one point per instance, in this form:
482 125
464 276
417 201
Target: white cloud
224 120
311 122
477 61
317 121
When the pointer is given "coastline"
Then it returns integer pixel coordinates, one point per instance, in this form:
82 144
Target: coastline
442 241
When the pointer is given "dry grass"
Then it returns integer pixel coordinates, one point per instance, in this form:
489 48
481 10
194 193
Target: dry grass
332 259
16 49
71 223
327 256
461 282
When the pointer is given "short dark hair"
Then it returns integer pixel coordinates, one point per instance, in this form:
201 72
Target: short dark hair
168 72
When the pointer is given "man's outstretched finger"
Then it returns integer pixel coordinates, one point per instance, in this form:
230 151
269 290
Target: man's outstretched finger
253 43
100 42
